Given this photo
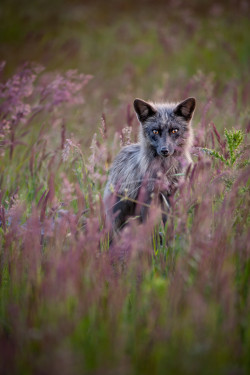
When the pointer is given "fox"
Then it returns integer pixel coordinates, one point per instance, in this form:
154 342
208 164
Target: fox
152 168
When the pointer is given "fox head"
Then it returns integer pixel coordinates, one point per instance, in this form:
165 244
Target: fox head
166 127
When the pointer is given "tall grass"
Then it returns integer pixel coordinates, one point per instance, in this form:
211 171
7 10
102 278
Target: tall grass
69 302
172 304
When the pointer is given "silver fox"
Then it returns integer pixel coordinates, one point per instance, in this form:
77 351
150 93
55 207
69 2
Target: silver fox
152 167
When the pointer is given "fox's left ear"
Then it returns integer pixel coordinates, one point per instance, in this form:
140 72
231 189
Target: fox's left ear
186 109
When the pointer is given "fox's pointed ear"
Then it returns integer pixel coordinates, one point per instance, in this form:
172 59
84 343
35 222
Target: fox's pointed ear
186 109
143 109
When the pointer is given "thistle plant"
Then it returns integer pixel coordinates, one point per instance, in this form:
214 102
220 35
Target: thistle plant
233 150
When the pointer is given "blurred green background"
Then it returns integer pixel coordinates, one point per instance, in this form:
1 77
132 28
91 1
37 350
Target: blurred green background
132 48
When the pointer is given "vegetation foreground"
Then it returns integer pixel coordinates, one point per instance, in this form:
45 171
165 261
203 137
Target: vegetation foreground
72 304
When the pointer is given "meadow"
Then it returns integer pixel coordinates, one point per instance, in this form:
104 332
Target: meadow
69 302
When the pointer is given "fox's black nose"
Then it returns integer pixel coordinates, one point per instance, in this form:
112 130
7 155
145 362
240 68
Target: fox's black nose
164 151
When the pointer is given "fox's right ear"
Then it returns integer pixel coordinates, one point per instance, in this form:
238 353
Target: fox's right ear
186 108
143 109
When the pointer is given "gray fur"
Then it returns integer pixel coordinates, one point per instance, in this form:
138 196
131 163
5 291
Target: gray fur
151 165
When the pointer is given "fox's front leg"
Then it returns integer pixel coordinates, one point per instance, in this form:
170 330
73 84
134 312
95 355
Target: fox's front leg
143 208
164 199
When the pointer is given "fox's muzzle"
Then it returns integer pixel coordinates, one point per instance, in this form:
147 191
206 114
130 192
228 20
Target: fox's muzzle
164 151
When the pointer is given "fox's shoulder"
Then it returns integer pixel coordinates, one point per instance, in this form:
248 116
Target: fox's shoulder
128 151
134 147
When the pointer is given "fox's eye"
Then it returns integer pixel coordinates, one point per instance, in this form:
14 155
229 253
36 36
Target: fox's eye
155 131
174 131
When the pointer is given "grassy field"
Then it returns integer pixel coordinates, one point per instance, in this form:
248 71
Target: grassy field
70 303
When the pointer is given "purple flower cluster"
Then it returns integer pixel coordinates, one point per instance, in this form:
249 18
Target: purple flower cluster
31 91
